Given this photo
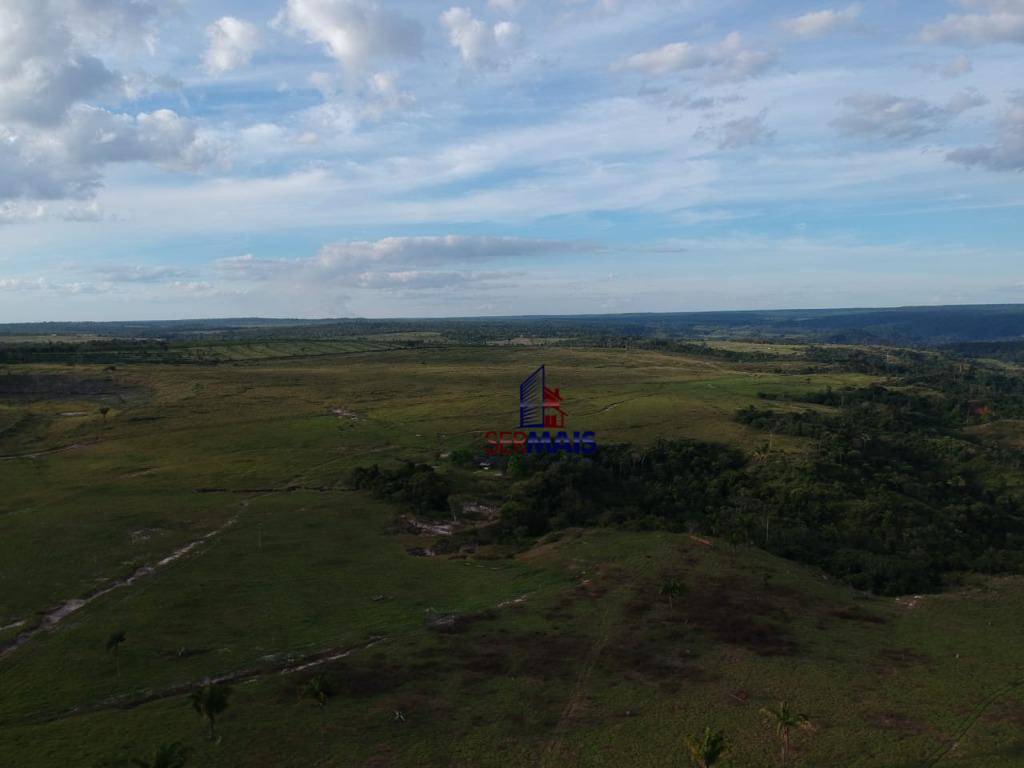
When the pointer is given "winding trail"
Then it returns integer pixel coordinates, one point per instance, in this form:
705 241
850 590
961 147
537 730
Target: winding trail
53 617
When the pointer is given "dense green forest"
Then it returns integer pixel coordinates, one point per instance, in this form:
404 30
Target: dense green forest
890 495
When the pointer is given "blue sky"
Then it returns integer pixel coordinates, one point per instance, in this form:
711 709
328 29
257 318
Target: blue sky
312 158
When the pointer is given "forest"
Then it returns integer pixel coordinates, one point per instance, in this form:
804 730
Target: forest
889 496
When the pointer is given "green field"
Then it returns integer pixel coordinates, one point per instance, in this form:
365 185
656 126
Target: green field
559 654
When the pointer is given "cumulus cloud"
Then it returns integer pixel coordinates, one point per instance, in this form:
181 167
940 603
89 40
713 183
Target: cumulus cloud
38 171
900 117
355 32
1007 153
823 22
478 43
231 44
46 64
67 162
95 136
53 145
731 59
1000 21
42 70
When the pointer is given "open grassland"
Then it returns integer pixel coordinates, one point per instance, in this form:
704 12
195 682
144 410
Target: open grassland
562 654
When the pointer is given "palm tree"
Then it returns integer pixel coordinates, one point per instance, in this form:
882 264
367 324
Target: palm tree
706 751
672 588
114 645
166 756
785 721
209 702
318 689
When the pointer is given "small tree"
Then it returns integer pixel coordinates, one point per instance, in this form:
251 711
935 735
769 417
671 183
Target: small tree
166 756
672 588
104 410
785 721
209 702
706 751
319 690
114 645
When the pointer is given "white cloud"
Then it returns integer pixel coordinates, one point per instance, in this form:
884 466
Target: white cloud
669 58
413 280
66 162
38 171
965 100
140 273
355 32
478 43
1002 21
88 212
730 59
824 22
94 136
231 44
900 117
106 21
1007 154
393 263
740 132
400 252
11 211
52 144
384 96
42 70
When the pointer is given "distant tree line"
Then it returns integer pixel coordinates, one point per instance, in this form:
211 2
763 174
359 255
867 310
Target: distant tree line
417 486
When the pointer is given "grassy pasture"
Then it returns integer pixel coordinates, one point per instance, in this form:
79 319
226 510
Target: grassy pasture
564 654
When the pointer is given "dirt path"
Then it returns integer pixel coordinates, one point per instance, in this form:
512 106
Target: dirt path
53 617
553 753
48 451
274 668
609 406
1001 692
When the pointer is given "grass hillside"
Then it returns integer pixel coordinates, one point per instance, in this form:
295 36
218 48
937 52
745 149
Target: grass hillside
205 512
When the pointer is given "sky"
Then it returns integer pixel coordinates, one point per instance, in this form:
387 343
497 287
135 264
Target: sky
168 159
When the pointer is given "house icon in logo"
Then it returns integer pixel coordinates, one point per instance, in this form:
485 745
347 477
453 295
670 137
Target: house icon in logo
540 405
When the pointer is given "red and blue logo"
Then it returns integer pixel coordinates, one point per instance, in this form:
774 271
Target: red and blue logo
540 408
